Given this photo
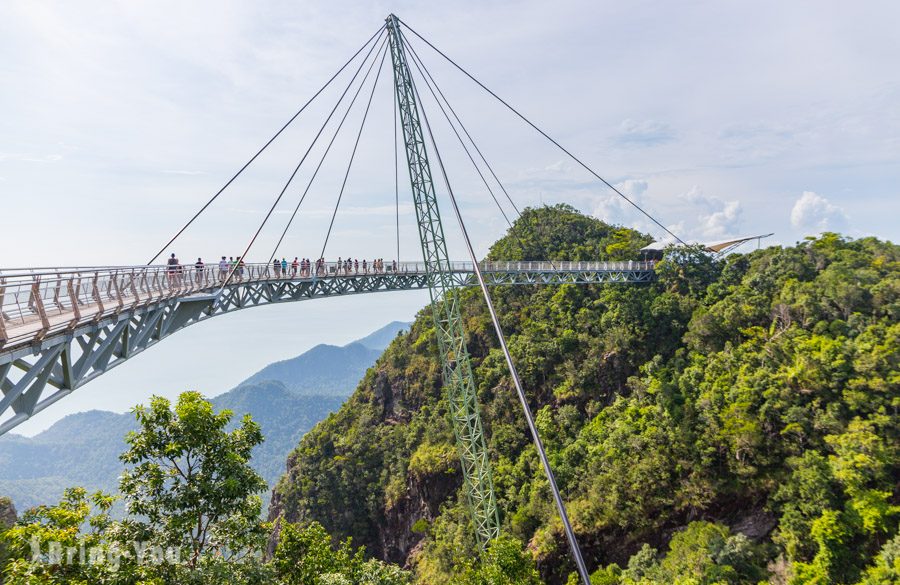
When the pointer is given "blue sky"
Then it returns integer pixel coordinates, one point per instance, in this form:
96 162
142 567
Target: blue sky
722 118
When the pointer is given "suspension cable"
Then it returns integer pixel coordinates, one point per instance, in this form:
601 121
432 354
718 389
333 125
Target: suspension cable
297 168
353 154
545 135
322 160
461 125
462 143
420 66
545 462
266 145
396 171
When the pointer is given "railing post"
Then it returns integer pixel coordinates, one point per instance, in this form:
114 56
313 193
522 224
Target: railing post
70 286
78 291
39 305
118 289
3 336
134 290
56 293
97 297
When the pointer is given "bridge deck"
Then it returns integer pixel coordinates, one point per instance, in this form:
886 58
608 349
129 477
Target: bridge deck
60 328
40 304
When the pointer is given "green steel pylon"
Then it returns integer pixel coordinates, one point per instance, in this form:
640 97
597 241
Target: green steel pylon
457 369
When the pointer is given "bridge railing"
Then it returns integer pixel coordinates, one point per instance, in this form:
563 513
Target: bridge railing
35 302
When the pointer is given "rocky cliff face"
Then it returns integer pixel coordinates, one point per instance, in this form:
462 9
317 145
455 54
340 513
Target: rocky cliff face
8 517
373 494
8 514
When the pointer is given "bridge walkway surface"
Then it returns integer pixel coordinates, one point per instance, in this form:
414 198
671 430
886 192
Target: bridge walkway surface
62 327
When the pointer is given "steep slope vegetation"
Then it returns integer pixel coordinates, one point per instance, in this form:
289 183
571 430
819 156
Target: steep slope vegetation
286 398
748 407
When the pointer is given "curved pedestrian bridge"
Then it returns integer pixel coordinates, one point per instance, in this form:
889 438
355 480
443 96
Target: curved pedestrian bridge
62 327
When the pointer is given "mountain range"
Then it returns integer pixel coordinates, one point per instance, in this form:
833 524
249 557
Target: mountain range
286 398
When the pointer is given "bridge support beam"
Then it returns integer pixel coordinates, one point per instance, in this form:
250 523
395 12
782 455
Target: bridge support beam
459 383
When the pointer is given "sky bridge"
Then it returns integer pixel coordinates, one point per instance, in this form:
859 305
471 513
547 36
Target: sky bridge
61 328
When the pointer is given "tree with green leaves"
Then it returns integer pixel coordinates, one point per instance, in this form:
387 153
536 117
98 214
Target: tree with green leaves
69 543
306 556
189 484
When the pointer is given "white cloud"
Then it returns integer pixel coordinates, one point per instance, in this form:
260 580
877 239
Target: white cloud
814 212
179 172
644 132
26 157
634 188
611 208
718 218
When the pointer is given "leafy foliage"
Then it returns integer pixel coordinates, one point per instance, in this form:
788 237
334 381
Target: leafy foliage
757 394
195 518
189 483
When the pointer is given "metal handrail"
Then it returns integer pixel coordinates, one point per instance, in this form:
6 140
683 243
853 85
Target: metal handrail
39 299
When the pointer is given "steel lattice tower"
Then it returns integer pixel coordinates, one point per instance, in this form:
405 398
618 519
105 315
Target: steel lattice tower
459 382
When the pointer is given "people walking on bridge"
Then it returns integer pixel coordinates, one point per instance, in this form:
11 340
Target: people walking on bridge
365 267
198 270
240 263
294 266
394 266
172 269
356 265
223 269
276 266
284 267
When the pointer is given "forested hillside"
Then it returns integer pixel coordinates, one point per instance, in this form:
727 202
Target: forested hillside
735 421
286 398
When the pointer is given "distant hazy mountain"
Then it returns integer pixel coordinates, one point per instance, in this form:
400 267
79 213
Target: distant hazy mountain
286 398
328 369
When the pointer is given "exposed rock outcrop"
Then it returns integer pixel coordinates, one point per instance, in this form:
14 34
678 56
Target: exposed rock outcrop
8 514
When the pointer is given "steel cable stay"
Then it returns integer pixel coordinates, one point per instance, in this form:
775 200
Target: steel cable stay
461 142
396 174
377 34
421 67
566 151
432 86
529 417
322 160
353 154
236 265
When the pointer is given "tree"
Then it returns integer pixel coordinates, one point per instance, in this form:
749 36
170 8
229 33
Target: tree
504 562
50 545
305 556
711 554
190 484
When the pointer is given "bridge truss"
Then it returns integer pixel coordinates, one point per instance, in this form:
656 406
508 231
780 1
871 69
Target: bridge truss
60 329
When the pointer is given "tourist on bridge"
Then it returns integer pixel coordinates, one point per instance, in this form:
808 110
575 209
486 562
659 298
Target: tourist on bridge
223 269
198 269
240 263
172 269
284 267
277 266
294 265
